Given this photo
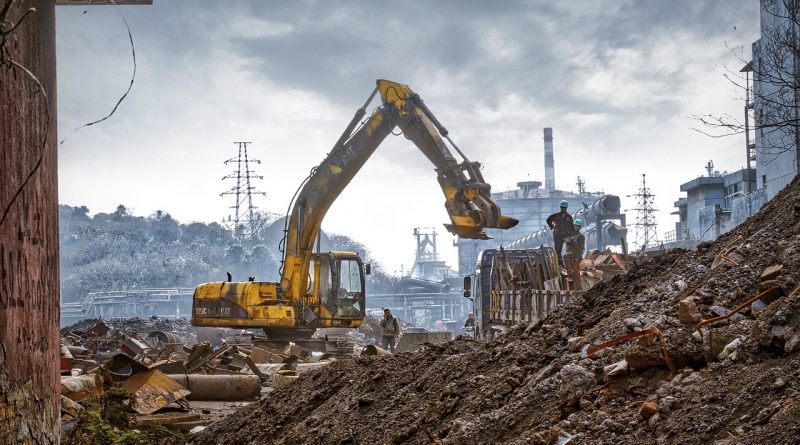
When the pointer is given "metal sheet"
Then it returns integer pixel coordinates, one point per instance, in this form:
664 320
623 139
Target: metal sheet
153 390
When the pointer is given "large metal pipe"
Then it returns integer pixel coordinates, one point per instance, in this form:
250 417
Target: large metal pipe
612 236
542 237
549 163
604 206
219 387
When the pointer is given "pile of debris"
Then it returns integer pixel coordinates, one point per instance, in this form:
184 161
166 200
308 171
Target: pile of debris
156 374
692 347
370 331
180 327
598 267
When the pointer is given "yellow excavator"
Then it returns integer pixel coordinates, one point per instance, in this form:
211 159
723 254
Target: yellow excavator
324 290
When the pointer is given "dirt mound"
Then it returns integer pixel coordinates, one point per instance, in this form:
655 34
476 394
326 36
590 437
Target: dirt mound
738 383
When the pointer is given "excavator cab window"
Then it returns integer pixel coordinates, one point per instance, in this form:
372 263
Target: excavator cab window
325 284
350 293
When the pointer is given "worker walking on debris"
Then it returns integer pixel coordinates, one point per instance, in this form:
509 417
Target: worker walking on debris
563 228
390 330
577 245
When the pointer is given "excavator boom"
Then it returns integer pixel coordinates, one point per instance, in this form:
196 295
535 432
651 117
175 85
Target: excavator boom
467 196
327 289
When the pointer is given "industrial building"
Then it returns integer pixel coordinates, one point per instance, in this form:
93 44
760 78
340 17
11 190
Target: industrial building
718 202
713 205
430 293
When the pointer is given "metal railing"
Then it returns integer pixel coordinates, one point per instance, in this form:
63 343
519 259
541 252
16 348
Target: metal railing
131 299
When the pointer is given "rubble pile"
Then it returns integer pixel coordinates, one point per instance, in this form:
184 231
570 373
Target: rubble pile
371 328
137 326
601 266
156 373
693 347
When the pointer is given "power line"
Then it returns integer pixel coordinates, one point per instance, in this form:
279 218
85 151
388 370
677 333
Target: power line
646 235
243 220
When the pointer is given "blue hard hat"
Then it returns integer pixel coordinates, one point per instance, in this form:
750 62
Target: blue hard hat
578 222
564 204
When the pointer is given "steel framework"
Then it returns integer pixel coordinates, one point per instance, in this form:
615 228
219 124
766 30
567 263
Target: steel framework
243 222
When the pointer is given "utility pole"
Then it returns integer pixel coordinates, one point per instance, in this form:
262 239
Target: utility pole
243 221
646 235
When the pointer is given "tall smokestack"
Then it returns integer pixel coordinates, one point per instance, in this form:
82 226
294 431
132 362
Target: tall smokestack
549 165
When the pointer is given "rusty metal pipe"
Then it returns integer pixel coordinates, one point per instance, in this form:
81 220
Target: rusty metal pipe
219 387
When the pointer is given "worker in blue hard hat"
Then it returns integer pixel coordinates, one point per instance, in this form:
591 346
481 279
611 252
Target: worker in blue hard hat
577 245
563 228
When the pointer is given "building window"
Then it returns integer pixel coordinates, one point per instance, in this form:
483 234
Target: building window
763 180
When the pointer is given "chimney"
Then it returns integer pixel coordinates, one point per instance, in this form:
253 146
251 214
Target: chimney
549 166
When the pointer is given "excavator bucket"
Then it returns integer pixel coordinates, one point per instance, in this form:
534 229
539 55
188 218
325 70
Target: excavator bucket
477 232
505 222
471 232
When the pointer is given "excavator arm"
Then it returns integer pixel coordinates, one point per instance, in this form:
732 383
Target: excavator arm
467 197
319 290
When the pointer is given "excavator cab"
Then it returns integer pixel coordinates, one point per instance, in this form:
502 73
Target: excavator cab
340 277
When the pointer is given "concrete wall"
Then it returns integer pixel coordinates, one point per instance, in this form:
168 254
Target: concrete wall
742 207
710 223
29 356
698 199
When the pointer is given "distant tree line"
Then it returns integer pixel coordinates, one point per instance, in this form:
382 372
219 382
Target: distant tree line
120 251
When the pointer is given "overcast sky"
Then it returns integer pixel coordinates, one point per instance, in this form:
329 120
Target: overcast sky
617 81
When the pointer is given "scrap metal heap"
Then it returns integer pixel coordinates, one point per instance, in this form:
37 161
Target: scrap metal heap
159 366
524 285
715 360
